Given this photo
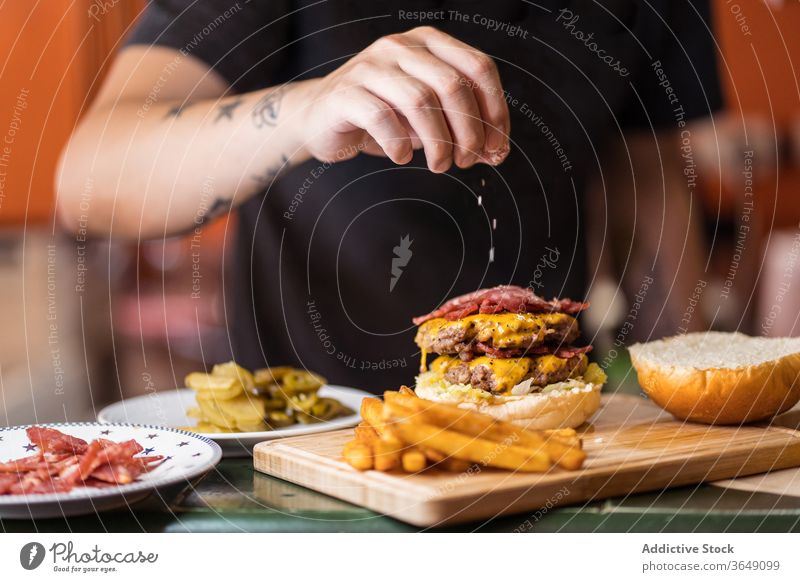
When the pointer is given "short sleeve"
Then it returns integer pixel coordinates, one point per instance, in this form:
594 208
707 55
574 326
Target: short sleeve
678 79
245 42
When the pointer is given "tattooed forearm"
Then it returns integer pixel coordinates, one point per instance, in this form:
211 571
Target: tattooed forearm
176 110
205 214
265 179
225 110
218 208
266 111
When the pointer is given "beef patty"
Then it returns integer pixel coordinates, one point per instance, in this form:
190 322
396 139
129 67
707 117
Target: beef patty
502 374
504 331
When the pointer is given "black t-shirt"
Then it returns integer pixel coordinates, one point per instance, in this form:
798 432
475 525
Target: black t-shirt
333 261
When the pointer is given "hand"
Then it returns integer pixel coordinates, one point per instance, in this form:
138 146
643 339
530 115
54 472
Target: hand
421 89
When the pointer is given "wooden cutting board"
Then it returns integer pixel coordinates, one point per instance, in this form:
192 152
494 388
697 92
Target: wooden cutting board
632 447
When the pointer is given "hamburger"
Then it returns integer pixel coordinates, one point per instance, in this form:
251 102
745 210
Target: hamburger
509 353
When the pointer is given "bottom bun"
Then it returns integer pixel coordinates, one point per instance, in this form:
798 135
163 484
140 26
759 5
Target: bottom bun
566 407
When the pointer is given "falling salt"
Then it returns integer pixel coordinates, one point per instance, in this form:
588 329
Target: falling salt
494 224
483 182
480 200
491 255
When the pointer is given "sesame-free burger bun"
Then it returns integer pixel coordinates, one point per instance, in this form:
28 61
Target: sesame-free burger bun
561 408
720 378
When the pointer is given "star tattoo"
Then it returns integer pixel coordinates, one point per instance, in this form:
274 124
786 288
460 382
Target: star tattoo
177 109
226 110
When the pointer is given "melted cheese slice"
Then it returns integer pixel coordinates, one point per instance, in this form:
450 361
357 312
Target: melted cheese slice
503 330
508 372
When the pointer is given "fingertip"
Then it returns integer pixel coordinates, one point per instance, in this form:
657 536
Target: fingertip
497 156
440 167
496 139
497 146
404 158
466 159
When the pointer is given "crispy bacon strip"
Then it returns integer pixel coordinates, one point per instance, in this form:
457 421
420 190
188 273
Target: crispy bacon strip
64 462
122 473
149 463
565 352
30 484
493 352
54 441
21 465
89 462
92 482
561 351
119 474
6 482
503 298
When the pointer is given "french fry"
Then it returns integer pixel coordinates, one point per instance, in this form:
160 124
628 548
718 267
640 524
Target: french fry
470 448
409 433
441 461
565 433
413 461
358 455
386 454
389 453
479 425
372 413
431 455
568 436
437 459
365 433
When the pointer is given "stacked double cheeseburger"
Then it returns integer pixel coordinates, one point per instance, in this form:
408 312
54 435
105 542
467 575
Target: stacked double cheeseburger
507 352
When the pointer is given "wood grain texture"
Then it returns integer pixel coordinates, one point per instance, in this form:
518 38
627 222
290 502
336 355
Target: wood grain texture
632 447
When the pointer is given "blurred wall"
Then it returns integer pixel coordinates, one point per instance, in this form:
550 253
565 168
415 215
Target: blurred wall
52 57
748 166
756 189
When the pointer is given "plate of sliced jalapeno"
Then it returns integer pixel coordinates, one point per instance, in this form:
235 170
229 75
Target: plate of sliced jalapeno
237 408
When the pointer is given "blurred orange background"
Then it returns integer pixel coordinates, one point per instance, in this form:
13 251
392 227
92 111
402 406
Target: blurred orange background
54 54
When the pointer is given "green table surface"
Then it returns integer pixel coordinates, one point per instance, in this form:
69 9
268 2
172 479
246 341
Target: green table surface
235 498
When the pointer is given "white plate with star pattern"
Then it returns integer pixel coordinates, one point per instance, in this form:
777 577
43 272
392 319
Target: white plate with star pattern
168 408
187 457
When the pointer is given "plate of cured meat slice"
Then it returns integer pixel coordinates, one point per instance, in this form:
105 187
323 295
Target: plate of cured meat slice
67 469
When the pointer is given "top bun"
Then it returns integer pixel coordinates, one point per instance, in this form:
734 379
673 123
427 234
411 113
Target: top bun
720 378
